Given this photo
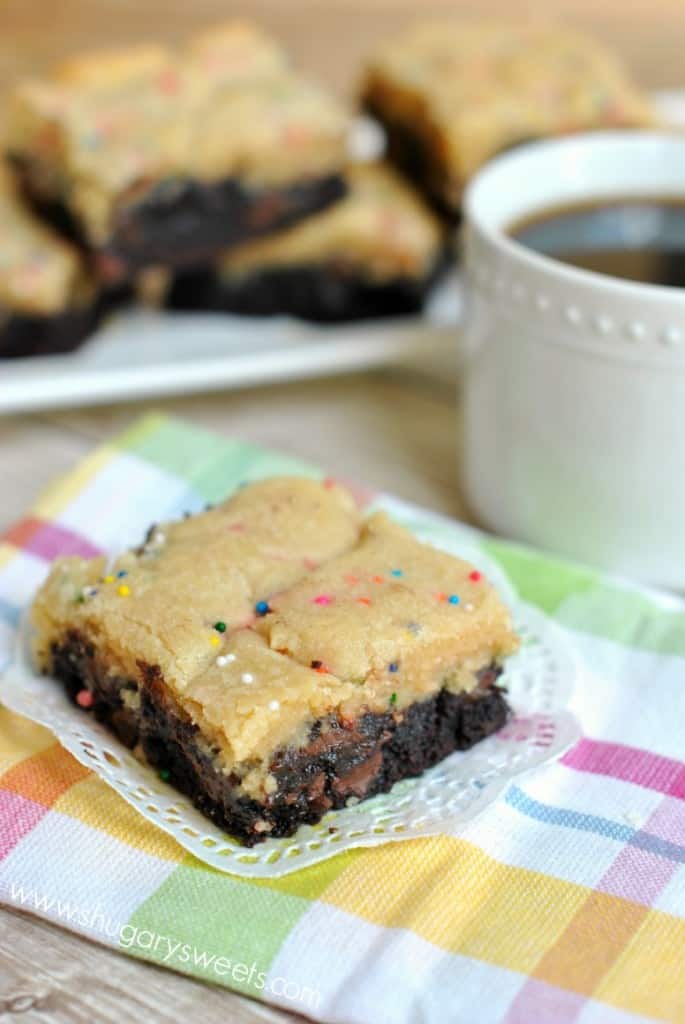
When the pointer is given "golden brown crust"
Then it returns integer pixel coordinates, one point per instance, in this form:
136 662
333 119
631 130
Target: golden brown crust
392 614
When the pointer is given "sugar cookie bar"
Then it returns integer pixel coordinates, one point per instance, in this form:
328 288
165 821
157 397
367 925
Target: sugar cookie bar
278 655
374 253
48 300
453 94
163 158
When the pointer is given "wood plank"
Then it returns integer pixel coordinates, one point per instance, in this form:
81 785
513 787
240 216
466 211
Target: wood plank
49 975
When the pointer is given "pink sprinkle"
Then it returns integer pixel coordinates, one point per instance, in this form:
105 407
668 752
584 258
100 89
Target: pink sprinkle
169 82
309 563
323 599
84 699
329 482
237 527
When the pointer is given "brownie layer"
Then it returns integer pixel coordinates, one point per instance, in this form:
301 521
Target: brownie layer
181 223
342 759
22 335
325 294
39 335
411 151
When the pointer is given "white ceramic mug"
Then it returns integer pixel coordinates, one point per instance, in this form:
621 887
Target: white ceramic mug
574 383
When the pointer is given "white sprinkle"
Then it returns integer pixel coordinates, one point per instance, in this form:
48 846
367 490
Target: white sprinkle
274 705
89 591
468 607
225 659
159 537
247 677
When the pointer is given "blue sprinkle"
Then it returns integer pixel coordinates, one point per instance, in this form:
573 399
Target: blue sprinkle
262 607
122 573
453 599
396 572
393 666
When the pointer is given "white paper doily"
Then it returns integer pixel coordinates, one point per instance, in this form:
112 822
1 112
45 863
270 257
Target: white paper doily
539 680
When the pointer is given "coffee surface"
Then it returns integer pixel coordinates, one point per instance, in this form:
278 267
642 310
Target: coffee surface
639 239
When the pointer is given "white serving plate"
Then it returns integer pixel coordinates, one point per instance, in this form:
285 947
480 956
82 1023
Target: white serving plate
144 354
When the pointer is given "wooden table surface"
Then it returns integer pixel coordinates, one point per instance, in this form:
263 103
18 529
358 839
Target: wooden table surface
395 431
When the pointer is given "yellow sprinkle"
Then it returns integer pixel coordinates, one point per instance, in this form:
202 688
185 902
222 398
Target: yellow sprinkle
123 590
214 640
108 579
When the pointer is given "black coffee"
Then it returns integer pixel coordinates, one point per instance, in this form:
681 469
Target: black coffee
638 239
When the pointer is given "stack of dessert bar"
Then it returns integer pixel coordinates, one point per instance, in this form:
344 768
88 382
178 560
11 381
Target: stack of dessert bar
150 158
223 166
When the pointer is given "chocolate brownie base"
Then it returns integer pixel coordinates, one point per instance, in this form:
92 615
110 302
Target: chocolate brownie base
342 760
411 151
22 336
36 335
323 294
183 223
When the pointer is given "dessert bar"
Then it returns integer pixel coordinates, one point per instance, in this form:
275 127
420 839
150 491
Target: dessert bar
48 301
453 94
279 655
157 157
374 253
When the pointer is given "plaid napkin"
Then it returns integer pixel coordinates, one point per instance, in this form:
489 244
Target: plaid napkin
564 901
